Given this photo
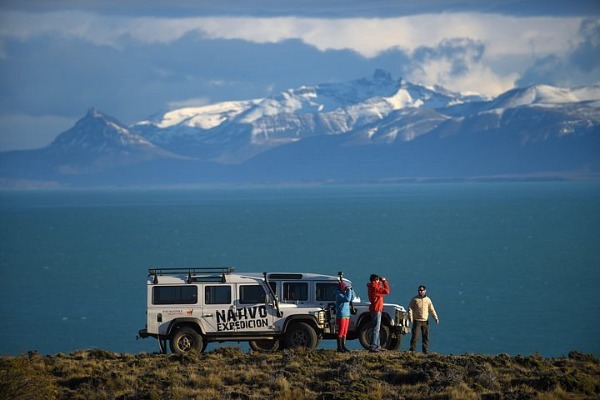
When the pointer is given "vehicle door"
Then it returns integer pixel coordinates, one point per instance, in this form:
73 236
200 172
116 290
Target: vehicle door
169 302
252 311
217 309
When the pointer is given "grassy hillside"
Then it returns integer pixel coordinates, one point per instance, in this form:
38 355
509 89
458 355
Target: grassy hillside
228 373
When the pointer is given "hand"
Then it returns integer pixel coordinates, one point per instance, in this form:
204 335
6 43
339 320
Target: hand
437 321
383 278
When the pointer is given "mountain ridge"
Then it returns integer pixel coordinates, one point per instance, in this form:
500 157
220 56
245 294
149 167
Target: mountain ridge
374 129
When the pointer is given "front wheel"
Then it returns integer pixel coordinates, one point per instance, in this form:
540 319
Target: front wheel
301 334
265 345
186 339
385 338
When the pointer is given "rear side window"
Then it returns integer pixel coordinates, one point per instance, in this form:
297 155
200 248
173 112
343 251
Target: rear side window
326 291
174 295
295 291
252 294
217 294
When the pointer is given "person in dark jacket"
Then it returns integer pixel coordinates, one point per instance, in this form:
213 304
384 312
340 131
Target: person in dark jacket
343 297
377 288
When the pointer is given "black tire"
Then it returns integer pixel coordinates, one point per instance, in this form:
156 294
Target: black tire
265 345
385 338
301 334
186 339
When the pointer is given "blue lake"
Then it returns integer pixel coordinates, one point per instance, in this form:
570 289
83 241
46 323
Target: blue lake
511 267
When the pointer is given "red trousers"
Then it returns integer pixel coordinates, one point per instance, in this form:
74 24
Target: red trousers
342 324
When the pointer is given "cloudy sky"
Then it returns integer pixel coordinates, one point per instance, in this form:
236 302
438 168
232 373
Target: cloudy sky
135 58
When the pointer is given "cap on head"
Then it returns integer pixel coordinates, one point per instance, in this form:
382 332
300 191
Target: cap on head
422 287
373 277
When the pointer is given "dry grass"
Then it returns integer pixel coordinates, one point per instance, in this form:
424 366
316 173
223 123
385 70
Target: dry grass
228 373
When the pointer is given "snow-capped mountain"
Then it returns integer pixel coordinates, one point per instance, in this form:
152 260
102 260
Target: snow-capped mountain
375 128
374 110
99 142
545 96
233 132
96 143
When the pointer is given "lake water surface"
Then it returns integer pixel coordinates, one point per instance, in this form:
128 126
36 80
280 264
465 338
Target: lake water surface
511 267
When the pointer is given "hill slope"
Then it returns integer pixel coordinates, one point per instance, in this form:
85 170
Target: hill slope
228 373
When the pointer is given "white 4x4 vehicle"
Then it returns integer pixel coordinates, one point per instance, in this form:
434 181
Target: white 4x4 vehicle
190 307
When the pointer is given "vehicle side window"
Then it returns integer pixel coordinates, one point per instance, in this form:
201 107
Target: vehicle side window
252 294
217 294
295 291
175 294
326 291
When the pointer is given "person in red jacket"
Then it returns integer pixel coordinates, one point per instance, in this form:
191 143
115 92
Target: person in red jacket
377 288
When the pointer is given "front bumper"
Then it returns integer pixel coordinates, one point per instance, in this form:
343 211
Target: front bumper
143 334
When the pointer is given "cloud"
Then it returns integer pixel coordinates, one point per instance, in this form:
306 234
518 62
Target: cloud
579 65
53 75
586 56
456 64
309 8
63 62
501 36
367 36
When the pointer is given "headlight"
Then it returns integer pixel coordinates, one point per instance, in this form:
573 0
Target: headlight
322 317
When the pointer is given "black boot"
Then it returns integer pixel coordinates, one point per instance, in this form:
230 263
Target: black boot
340 349
344 348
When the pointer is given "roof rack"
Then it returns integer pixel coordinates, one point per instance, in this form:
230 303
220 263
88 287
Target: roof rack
194 274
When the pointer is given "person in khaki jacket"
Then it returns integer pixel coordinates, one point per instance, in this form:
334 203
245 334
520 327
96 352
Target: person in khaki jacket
418 314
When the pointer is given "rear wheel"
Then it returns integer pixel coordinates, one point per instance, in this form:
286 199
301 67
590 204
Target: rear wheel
301 334
265 345
186 339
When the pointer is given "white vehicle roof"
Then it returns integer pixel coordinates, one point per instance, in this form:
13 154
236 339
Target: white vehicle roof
163 276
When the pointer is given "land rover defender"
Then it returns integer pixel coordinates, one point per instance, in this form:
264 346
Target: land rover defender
190 307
